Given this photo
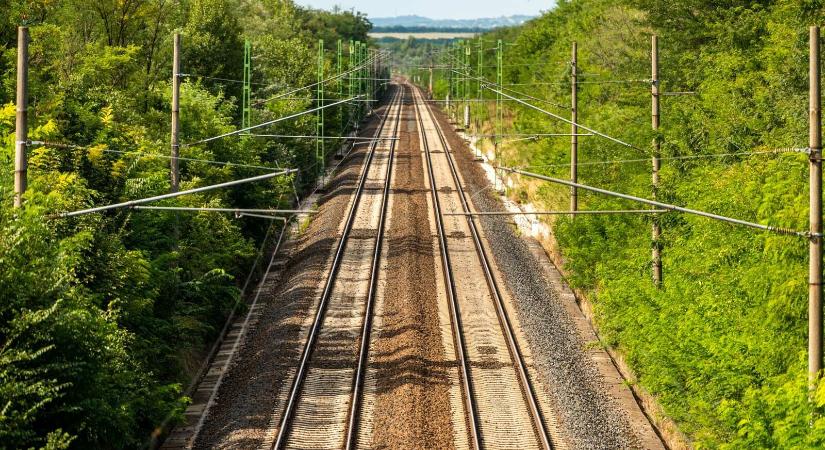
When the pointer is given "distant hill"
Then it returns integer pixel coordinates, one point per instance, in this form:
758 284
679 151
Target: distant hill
418 23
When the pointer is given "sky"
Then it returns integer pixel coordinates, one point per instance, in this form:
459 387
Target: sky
437 9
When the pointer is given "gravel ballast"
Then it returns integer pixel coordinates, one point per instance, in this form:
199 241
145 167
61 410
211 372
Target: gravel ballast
411 405
411 390
588 413
253 388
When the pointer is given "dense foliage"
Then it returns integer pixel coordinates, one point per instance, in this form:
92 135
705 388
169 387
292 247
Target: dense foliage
103 318
723 345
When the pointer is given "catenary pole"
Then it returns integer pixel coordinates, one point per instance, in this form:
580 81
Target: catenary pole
364 75
444 61
456 80
368 77
339 63
357 81
815 219
430 83
499 103
656 230
574 129
319 143
467 52
482 113
360 77
246 119
174 168
352 111
459 96
450 92
21 131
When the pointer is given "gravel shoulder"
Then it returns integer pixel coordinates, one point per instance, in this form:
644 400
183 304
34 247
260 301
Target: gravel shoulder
587 395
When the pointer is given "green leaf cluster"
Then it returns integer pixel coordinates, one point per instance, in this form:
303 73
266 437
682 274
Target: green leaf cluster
723 345
105 318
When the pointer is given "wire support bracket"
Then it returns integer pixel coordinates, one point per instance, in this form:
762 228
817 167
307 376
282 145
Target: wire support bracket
132 203
771 228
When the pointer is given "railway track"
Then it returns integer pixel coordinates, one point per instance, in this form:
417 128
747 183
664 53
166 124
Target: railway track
383 349
322 407
496 417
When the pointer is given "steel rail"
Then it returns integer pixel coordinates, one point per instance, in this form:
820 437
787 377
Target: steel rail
216 345
452 295
363 353
504 320
309 346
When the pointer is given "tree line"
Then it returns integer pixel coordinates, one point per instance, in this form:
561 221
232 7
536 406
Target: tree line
722 346
105 318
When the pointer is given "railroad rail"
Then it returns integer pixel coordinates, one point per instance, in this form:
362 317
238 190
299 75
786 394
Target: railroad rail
286 422
455 315
363 353
528 392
